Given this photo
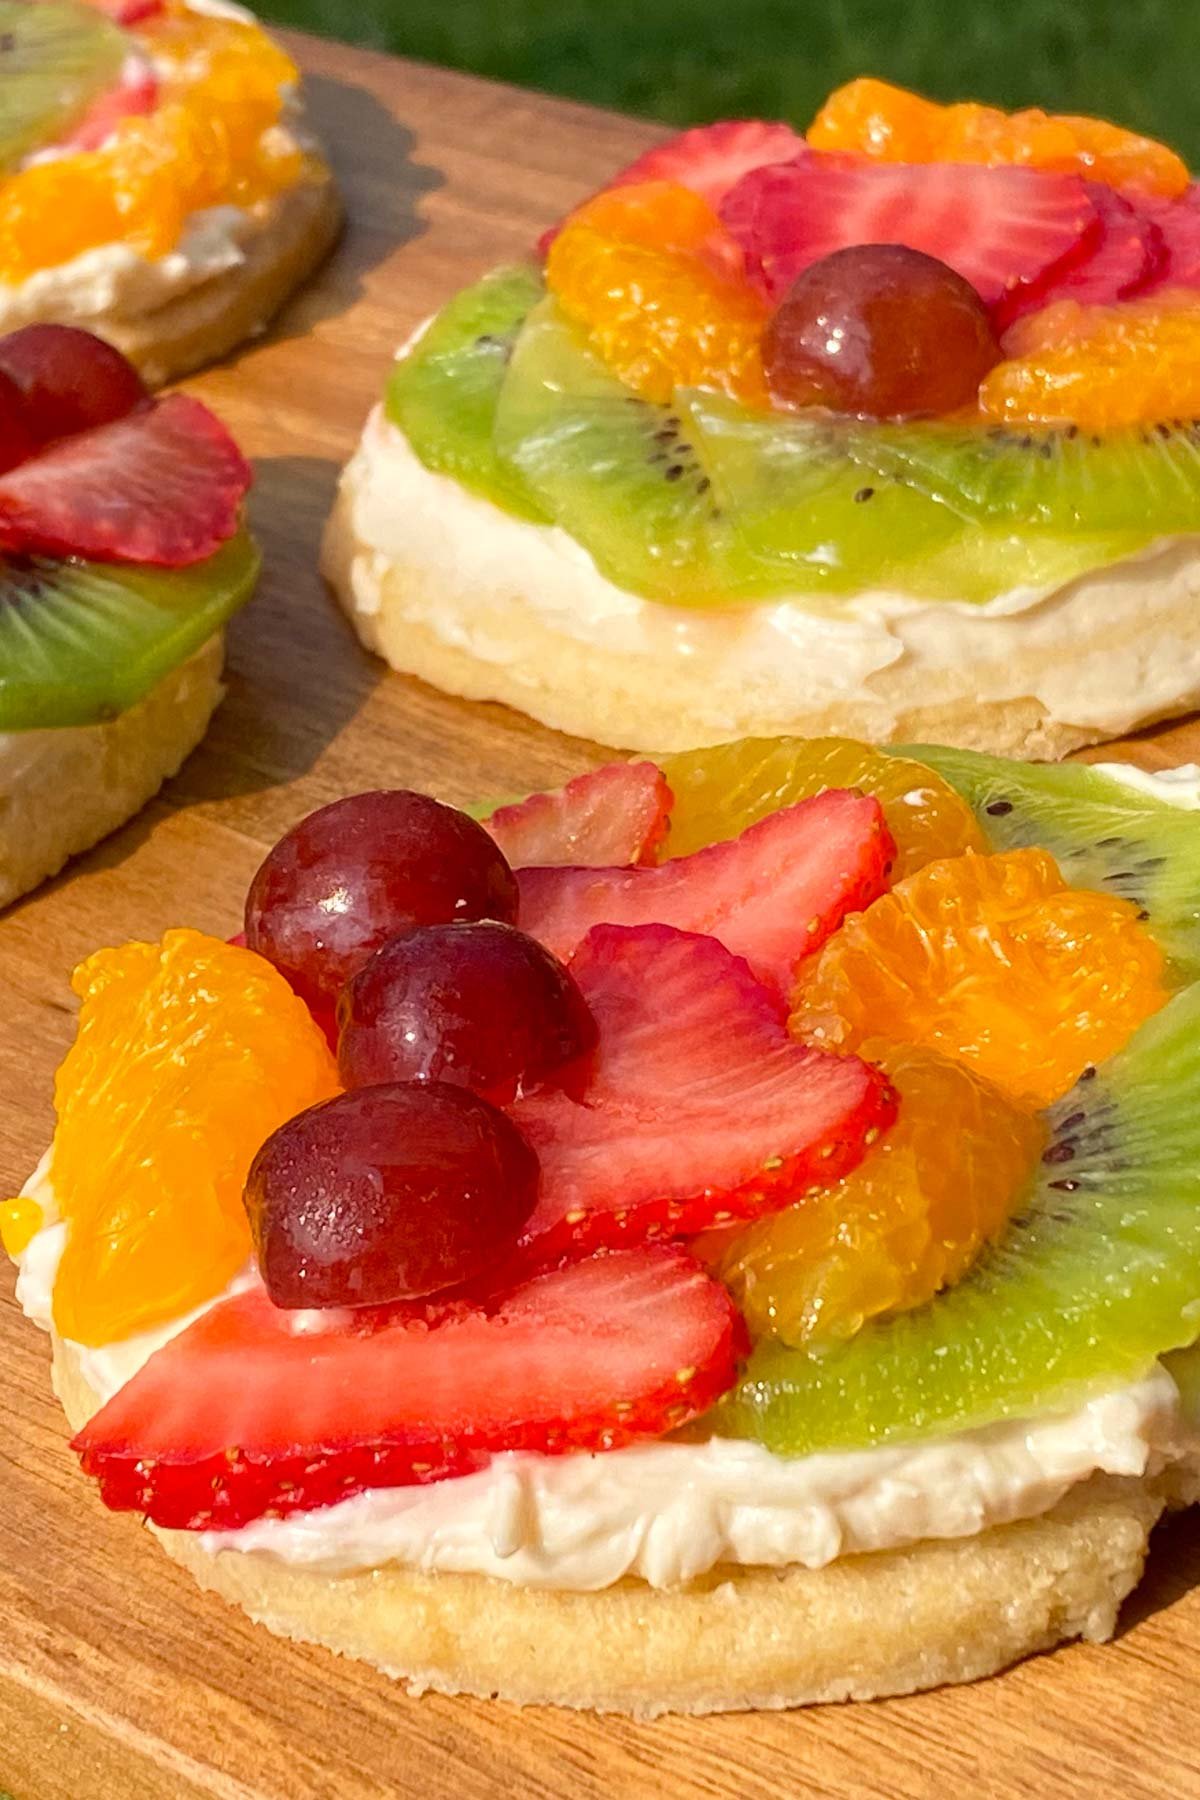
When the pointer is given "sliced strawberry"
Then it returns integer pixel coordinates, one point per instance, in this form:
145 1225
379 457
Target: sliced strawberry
1126 259
998 227
1179 223
700 1107
137 95
772 895
162 485
709 159
248 1412
606 818
127 12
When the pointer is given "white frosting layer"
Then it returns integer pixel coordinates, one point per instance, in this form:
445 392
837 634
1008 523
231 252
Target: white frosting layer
669 1511
1100 652
114 281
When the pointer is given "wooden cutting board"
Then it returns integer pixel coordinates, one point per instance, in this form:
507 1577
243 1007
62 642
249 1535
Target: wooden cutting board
118 1679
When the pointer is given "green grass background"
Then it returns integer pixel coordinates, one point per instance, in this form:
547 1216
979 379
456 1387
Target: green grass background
687 60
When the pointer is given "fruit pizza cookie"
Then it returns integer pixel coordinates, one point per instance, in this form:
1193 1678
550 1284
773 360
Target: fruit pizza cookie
890 429
158 184
122 555
723 1234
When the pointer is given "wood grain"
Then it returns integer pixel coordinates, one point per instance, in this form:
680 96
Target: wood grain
118 1681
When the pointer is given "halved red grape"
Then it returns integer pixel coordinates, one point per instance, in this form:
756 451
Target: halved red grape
481 1005
71 380
352 875
880 330
17 441
386 1194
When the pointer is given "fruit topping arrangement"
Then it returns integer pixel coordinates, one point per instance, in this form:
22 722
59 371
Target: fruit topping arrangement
117 123
855 1102
758 364
121 544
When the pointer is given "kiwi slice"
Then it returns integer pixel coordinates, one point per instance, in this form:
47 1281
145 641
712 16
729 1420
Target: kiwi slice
55 57
81 642
1102 834
879 532
705 501
1144 480
1097 1274
443 393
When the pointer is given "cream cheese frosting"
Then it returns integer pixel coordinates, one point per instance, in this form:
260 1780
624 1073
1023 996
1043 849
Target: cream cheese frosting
115 281
666 1512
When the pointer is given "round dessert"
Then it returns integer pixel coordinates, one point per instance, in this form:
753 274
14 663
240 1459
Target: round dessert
122 556
888 430
158 183
798 1229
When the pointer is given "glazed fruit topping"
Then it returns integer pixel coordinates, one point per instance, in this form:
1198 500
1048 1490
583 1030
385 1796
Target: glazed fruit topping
356 873
388 1193
890 124
994 961
188 1054
660 287
880 330
477 1004
17 441
163 485
1178 222
207 135
1127 258
773 895
709 159
699 1108
907 1222
135 96
998 228
128 12
589 1357
69 379
602 819
722 790
1103 368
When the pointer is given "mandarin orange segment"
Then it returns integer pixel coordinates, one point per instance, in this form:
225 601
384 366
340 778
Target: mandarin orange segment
876 119
721 791
188 1055
907 1222
649 272
211 141
994 962
1100 367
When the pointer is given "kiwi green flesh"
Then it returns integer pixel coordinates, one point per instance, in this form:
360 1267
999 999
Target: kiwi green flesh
798 496
1061 478
82 642
1096 1275
1103 835
443 392
55 58
705 502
